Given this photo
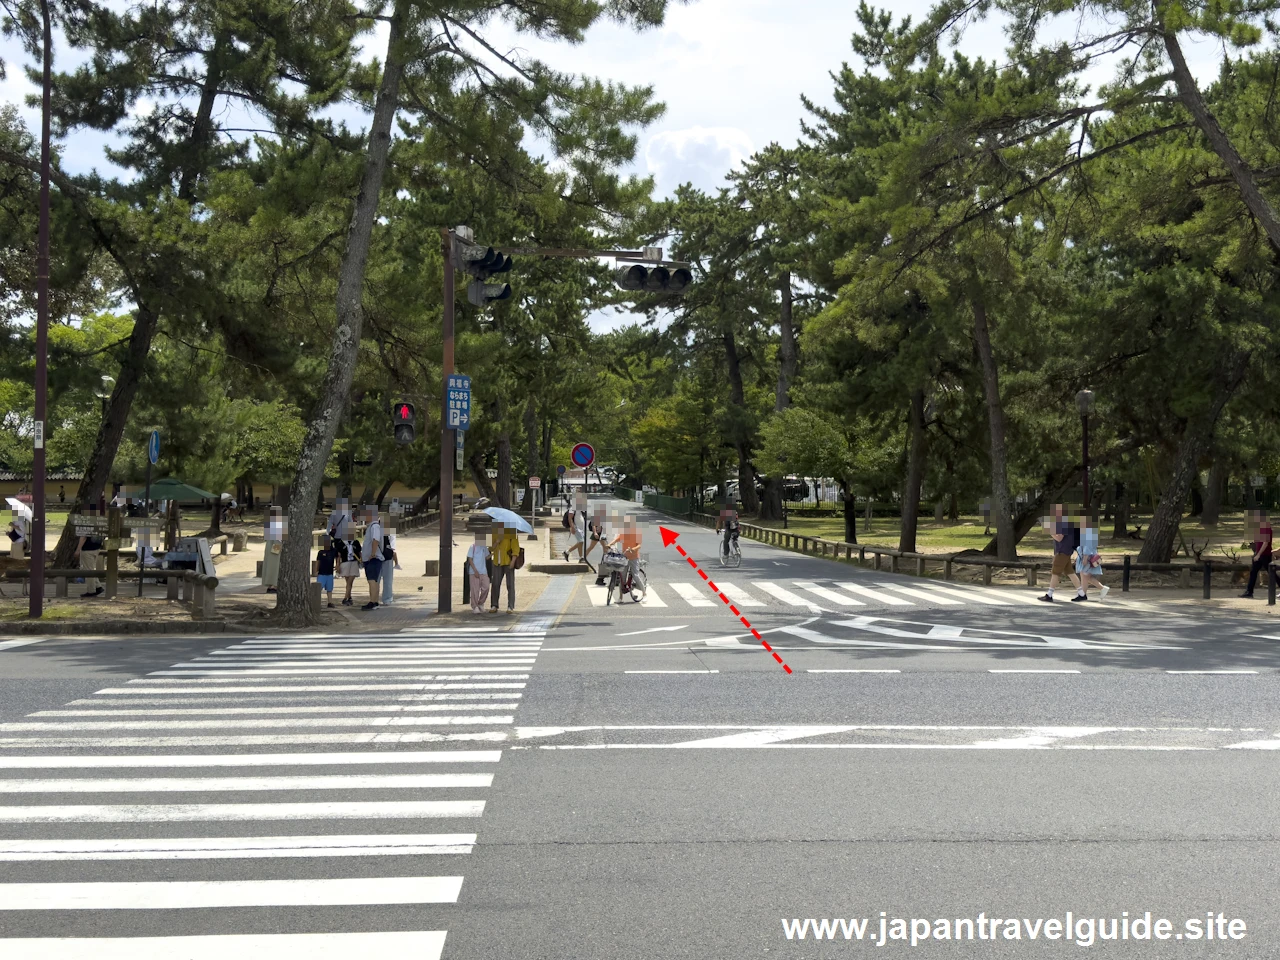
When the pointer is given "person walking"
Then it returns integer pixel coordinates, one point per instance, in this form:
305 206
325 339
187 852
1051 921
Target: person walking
390 564
477 567
595 531
272 545
339 524
372 551
1088 563
506 558
62 494
1064 536
575 521
348 565
1259 527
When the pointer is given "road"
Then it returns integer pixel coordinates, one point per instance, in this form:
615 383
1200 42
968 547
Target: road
646 781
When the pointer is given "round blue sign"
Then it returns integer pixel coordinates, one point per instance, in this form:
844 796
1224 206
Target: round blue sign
560 469
153 446
583 454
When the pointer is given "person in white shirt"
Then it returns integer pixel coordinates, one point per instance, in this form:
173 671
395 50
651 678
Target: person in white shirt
372 551
477 565
273 544
390 564
340 519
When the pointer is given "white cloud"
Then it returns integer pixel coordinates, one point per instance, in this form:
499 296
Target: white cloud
701 155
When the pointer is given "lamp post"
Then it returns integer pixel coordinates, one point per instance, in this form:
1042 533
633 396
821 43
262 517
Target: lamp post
103 393
1084 400
35 608
782 459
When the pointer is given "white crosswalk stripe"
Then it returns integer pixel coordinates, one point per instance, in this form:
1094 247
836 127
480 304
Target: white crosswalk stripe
411 713
826 593
922 595
786 596
737 595
693 595
879 596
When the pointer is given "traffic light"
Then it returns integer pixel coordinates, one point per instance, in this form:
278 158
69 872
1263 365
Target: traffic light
658 279
482 263
403 417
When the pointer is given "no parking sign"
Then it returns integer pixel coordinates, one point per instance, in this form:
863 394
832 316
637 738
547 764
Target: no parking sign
583 455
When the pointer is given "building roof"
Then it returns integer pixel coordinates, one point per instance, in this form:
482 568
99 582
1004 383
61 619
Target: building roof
51 473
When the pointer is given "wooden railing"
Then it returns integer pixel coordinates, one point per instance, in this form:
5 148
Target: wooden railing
197 589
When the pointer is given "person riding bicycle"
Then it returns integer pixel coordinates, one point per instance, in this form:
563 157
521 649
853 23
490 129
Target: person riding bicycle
729 523
629 537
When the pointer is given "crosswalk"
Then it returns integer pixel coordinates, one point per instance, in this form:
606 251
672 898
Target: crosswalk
828 596
275 773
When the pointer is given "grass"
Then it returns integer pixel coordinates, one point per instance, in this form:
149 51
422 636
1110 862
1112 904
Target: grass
968 533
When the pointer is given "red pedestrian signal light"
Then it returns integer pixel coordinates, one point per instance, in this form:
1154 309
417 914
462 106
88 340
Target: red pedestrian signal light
402 416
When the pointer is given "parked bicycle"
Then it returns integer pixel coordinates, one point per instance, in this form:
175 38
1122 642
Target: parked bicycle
622 579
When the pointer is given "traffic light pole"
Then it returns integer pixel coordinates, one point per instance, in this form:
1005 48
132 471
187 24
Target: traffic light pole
444 600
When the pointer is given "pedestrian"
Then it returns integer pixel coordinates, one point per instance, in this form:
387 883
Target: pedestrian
372 551
348 564
477 566
88 554
1064 536
62 494
595 531
325 560
18 535
390 564
629 537
272 545
340 519
1088 563
1259 527
575 521
508 557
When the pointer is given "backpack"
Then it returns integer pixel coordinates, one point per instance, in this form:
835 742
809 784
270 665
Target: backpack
387 549
565 522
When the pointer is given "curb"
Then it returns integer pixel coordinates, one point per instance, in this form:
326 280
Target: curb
117 627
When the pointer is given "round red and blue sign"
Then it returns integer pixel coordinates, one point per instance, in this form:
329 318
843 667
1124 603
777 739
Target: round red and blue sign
583 455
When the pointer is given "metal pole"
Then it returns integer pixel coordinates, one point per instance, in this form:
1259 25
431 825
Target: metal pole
146 515
444 597
1085 435
36 606
1124 588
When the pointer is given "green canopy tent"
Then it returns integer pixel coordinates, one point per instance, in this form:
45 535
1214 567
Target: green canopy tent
173 489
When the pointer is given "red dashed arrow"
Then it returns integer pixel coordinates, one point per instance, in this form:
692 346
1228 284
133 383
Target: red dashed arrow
668 538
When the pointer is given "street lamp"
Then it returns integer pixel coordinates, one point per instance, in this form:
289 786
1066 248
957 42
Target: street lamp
782 459
103 393
1084 400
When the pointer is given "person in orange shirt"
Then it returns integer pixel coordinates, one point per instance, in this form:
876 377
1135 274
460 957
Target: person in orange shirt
630 539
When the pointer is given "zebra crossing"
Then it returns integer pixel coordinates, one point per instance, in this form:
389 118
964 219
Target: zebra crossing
829 596
276 773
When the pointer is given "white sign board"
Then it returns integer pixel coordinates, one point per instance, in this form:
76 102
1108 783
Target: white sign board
535 483
520 495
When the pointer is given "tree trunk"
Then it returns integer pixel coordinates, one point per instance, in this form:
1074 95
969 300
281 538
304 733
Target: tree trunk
771 502
1158 545
295 566
504 470
737 396
1001 500
111 430
1213 492
382 494
850 504
1123 497
476 463
915 474
786 345
1197 496
1221 144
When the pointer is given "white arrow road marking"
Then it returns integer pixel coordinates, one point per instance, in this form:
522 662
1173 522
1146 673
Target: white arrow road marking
637 633
1041 737
980 635
760 738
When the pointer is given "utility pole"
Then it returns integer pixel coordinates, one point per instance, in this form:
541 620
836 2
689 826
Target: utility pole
36 608
444 596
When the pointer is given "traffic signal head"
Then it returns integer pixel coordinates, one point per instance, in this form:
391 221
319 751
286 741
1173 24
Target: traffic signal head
656 279
402 417
480 261
480 293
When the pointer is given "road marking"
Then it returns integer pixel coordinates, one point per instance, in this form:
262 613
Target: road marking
235 848
255 740
346 781
249 759
10 644
692 595
828 594
879 596
637 633
109 709
982 596
923 595
423 672
1216 672
1033 671
406 661
738 595
670 671
760 738
189 894
247 723
229 812
164 687
420 945
853 671
786 596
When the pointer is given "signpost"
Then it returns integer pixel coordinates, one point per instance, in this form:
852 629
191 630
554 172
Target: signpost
534 484
153 455
460 434
583 455
459 398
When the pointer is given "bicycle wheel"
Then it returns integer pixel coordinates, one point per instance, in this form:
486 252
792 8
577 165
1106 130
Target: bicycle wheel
608 597
638 585
723 554
735 555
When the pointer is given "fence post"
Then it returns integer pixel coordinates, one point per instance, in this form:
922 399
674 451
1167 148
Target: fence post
919 566
60 587
1207 572
946 569
1271 585
1033 573
1124 583
877 560
893 563
188 590
208 609
172 584
1184 579
862 554
986 574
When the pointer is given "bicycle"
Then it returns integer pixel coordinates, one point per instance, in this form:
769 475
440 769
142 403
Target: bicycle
621 578
730 554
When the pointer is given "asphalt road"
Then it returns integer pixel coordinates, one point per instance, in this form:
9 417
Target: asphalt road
646 781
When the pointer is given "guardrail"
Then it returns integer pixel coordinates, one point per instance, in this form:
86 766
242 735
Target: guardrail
821 547
197 589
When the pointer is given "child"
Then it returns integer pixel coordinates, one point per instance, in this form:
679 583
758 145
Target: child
1088 562
477 564
324 567
390 565
349 566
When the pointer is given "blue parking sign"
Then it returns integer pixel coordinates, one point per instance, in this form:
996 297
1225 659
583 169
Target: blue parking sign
458 401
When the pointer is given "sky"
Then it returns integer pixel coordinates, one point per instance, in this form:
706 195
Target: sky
731 73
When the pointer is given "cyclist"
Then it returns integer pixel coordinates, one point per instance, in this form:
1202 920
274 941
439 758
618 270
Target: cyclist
729 523
629 537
